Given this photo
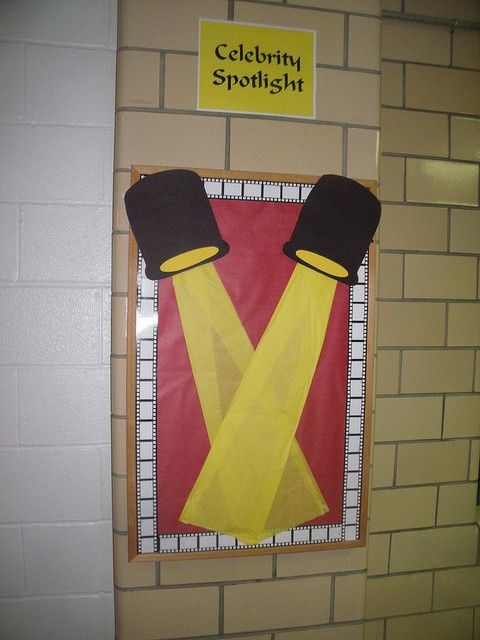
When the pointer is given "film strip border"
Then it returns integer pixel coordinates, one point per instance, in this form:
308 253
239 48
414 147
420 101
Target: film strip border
146 329
147 320
256 190
355 413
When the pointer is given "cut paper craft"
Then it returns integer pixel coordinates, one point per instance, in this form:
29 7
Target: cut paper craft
220 352
173 223
255 480
335 227
239 490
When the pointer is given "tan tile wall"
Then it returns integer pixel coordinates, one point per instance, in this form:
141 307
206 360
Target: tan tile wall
423 578
423 575
301 596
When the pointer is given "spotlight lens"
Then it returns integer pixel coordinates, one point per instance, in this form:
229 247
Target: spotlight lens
321 263
188 259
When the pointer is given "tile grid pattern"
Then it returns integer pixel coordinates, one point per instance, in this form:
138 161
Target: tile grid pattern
301 595
57 62
423 535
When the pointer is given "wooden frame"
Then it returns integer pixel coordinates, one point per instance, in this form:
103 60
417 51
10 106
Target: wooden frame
143 495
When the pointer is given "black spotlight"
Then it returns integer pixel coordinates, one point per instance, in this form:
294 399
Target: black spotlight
173 223
335 227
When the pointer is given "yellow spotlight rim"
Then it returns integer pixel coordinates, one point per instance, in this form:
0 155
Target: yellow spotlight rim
322 263
188 259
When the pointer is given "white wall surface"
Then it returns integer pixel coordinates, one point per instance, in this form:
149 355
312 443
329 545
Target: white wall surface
57 75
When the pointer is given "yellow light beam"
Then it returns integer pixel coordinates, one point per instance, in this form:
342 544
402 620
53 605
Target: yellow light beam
219 351
218 346
255 480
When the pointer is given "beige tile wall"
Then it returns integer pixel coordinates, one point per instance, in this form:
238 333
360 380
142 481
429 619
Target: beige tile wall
420 575
301 596
423 575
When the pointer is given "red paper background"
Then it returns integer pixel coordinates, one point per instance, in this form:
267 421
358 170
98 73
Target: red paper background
255 274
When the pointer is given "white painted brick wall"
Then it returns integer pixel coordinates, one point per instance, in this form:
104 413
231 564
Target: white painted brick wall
57 72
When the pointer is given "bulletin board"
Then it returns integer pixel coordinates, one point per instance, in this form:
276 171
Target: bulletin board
167 439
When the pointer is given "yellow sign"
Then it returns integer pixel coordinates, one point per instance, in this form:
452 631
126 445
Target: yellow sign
260 69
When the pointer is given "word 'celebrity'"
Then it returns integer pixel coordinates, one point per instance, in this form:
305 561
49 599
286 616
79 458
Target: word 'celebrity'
243 54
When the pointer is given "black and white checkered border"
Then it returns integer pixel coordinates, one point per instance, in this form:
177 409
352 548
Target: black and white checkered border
147 321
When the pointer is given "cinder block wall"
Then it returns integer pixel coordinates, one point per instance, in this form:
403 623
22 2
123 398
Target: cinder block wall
289 597
423 574
57 68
